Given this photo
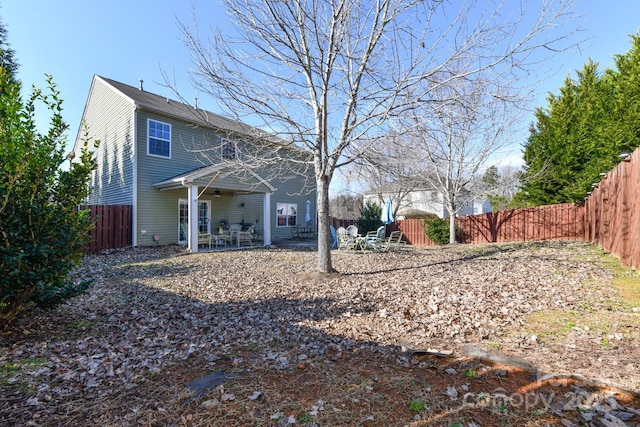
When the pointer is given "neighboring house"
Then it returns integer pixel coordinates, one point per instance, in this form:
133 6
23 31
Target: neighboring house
150 157
429 201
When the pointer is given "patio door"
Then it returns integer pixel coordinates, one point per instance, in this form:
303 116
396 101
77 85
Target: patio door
204 218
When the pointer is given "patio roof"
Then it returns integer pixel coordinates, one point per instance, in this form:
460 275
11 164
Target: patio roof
220 176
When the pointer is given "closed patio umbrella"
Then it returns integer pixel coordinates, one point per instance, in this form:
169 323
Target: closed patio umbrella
387 212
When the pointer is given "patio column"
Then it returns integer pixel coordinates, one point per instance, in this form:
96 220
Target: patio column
193 219
266 219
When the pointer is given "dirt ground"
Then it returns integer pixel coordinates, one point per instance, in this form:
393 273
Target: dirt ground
529 334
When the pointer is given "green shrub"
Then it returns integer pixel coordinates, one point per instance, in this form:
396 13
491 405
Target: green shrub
370 218
42 232
437 230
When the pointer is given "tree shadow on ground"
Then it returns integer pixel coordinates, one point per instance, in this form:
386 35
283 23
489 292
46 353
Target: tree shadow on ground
467 253
144 342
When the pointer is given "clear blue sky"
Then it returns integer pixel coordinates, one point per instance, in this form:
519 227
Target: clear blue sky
128 40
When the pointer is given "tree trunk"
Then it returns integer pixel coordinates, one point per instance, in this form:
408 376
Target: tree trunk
452 223
324 231
452 228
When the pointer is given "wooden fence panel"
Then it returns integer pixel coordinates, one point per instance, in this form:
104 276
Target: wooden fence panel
113 227
556 222
632 195
612 218
412 231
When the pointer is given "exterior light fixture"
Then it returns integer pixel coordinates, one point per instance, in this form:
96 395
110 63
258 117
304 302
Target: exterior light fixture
216 193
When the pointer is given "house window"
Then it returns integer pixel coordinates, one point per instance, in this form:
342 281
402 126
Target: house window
286 214
159 139
228 150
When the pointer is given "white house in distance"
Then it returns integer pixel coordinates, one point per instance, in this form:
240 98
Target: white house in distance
420 202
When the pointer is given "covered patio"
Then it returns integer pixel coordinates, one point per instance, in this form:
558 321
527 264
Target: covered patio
218 201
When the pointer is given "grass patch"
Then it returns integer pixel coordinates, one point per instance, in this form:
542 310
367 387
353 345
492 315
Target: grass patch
551 325
628 285
82 324
625 280
10 366
10 371
609 316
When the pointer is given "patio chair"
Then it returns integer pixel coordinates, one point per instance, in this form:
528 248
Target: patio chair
334 236
394 241
239 236
234 233
245 236
203 238
374 240
345 240
353 230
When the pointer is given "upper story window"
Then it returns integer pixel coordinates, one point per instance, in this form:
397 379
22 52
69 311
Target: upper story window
158 139
228 150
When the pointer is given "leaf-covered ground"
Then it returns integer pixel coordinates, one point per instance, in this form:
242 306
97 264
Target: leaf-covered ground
379 343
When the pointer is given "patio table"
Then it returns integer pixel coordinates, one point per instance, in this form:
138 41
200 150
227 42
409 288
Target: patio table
221 238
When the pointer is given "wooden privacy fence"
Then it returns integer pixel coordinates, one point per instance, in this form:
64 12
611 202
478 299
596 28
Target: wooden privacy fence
113 224
555 222
610 218
612 212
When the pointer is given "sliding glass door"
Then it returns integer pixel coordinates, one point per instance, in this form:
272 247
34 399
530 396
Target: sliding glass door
204 218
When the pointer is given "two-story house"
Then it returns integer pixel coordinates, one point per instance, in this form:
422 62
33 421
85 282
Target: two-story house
182 169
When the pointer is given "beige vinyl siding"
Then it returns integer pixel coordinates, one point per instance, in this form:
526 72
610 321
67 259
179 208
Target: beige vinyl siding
158 210
109 117
292 189
289 192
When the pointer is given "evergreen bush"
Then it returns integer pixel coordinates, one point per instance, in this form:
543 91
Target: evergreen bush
437 230
42 231
370 218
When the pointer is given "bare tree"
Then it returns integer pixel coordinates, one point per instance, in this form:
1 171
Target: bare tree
327 75
451 138
384 172
346 206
